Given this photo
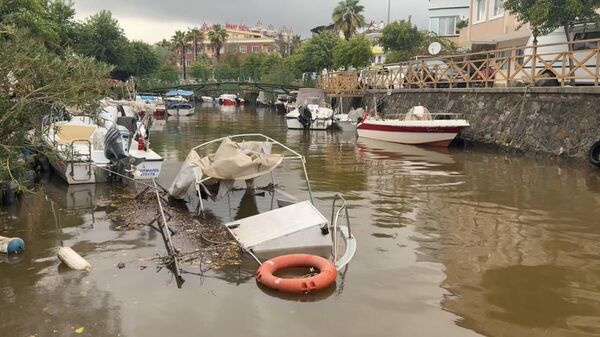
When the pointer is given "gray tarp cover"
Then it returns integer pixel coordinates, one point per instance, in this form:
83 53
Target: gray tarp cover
232 161
240 161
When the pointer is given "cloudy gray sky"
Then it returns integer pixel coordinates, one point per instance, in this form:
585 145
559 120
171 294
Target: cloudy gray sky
153 20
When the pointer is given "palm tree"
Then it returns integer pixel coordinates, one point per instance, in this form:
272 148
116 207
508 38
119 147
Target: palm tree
217 37
179 44
295 43
195 35
347 17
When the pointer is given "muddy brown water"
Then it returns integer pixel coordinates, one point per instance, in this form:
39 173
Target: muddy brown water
450 243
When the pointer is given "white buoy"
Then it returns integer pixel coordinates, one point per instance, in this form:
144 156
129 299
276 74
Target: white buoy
69 257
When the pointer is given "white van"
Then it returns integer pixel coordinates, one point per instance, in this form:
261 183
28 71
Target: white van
584 53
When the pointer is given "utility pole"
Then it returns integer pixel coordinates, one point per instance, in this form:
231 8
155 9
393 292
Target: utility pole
389 5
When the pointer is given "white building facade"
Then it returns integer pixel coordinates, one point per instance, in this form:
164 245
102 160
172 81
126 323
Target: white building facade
445 14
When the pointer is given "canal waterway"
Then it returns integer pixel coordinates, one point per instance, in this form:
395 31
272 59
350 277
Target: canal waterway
458 242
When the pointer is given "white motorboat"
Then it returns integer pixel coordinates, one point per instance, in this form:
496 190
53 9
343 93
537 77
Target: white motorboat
348 122
181 109
207 99
82 150
228 100
290 225
312 112
264 99
417 127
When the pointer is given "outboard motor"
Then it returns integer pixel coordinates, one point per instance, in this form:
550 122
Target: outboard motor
129 122
305 117
117 143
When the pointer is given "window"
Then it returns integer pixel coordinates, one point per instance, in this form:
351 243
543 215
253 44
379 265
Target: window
255 49
497 8
188 62
243 49
444 25
479 13
586 36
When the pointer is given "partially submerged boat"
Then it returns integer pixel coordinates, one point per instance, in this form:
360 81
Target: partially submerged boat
312 111
290 225
84 150
417 127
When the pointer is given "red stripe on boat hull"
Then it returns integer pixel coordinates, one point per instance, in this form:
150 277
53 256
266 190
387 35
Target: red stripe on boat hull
420 129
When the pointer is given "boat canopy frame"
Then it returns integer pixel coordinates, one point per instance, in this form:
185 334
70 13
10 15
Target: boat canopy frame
293 155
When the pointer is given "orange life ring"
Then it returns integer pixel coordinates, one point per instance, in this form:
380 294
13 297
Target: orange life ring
326 276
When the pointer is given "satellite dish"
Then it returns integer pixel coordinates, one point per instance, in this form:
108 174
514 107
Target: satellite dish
435 48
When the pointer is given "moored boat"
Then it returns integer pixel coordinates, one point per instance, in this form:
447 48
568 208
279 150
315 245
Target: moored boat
312 112
228 100
281 104
83 151
417 127
181 109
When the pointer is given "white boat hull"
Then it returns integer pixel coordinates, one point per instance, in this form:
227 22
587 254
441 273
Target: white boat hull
180 112
318 124
430 132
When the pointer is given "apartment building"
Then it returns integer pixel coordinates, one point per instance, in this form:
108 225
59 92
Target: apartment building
241 40
444 15
491 27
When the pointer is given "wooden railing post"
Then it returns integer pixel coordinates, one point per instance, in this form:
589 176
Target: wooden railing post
533 63
597 70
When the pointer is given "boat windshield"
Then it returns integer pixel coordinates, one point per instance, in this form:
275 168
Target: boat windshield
313 101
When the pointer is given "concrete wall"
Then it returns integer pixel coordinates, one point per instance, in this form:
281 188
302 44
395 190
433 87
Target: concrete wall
556 121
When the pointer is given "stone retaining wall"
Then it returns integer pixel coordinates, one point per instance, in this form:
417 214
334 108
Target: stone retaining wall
558 121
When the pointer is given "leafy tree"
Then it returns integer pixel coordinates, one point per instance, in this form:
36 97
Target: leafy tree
285 72
101 37
253 66
316 54
179 44
167 74
35 81
164 53
195 35
52 21
401 35
218 36
225 71
347 17
200 70
402 40
356 52
142 58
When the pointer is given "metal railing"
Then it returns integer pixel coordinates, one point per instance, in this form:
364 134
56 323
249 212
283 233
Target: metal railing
556 64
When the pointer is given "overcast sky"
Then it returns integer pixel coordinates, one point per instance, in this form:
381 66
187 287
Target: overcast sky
153 20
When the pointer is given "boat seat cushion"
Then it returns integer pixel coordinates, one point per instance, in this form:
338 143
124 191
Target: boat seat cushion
66 134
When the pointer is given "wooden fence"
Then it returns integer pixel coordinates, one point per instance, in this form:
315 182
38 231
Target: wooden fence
542 65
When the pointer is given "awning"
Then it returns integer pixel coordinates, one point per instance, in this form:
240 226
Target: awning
180 93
